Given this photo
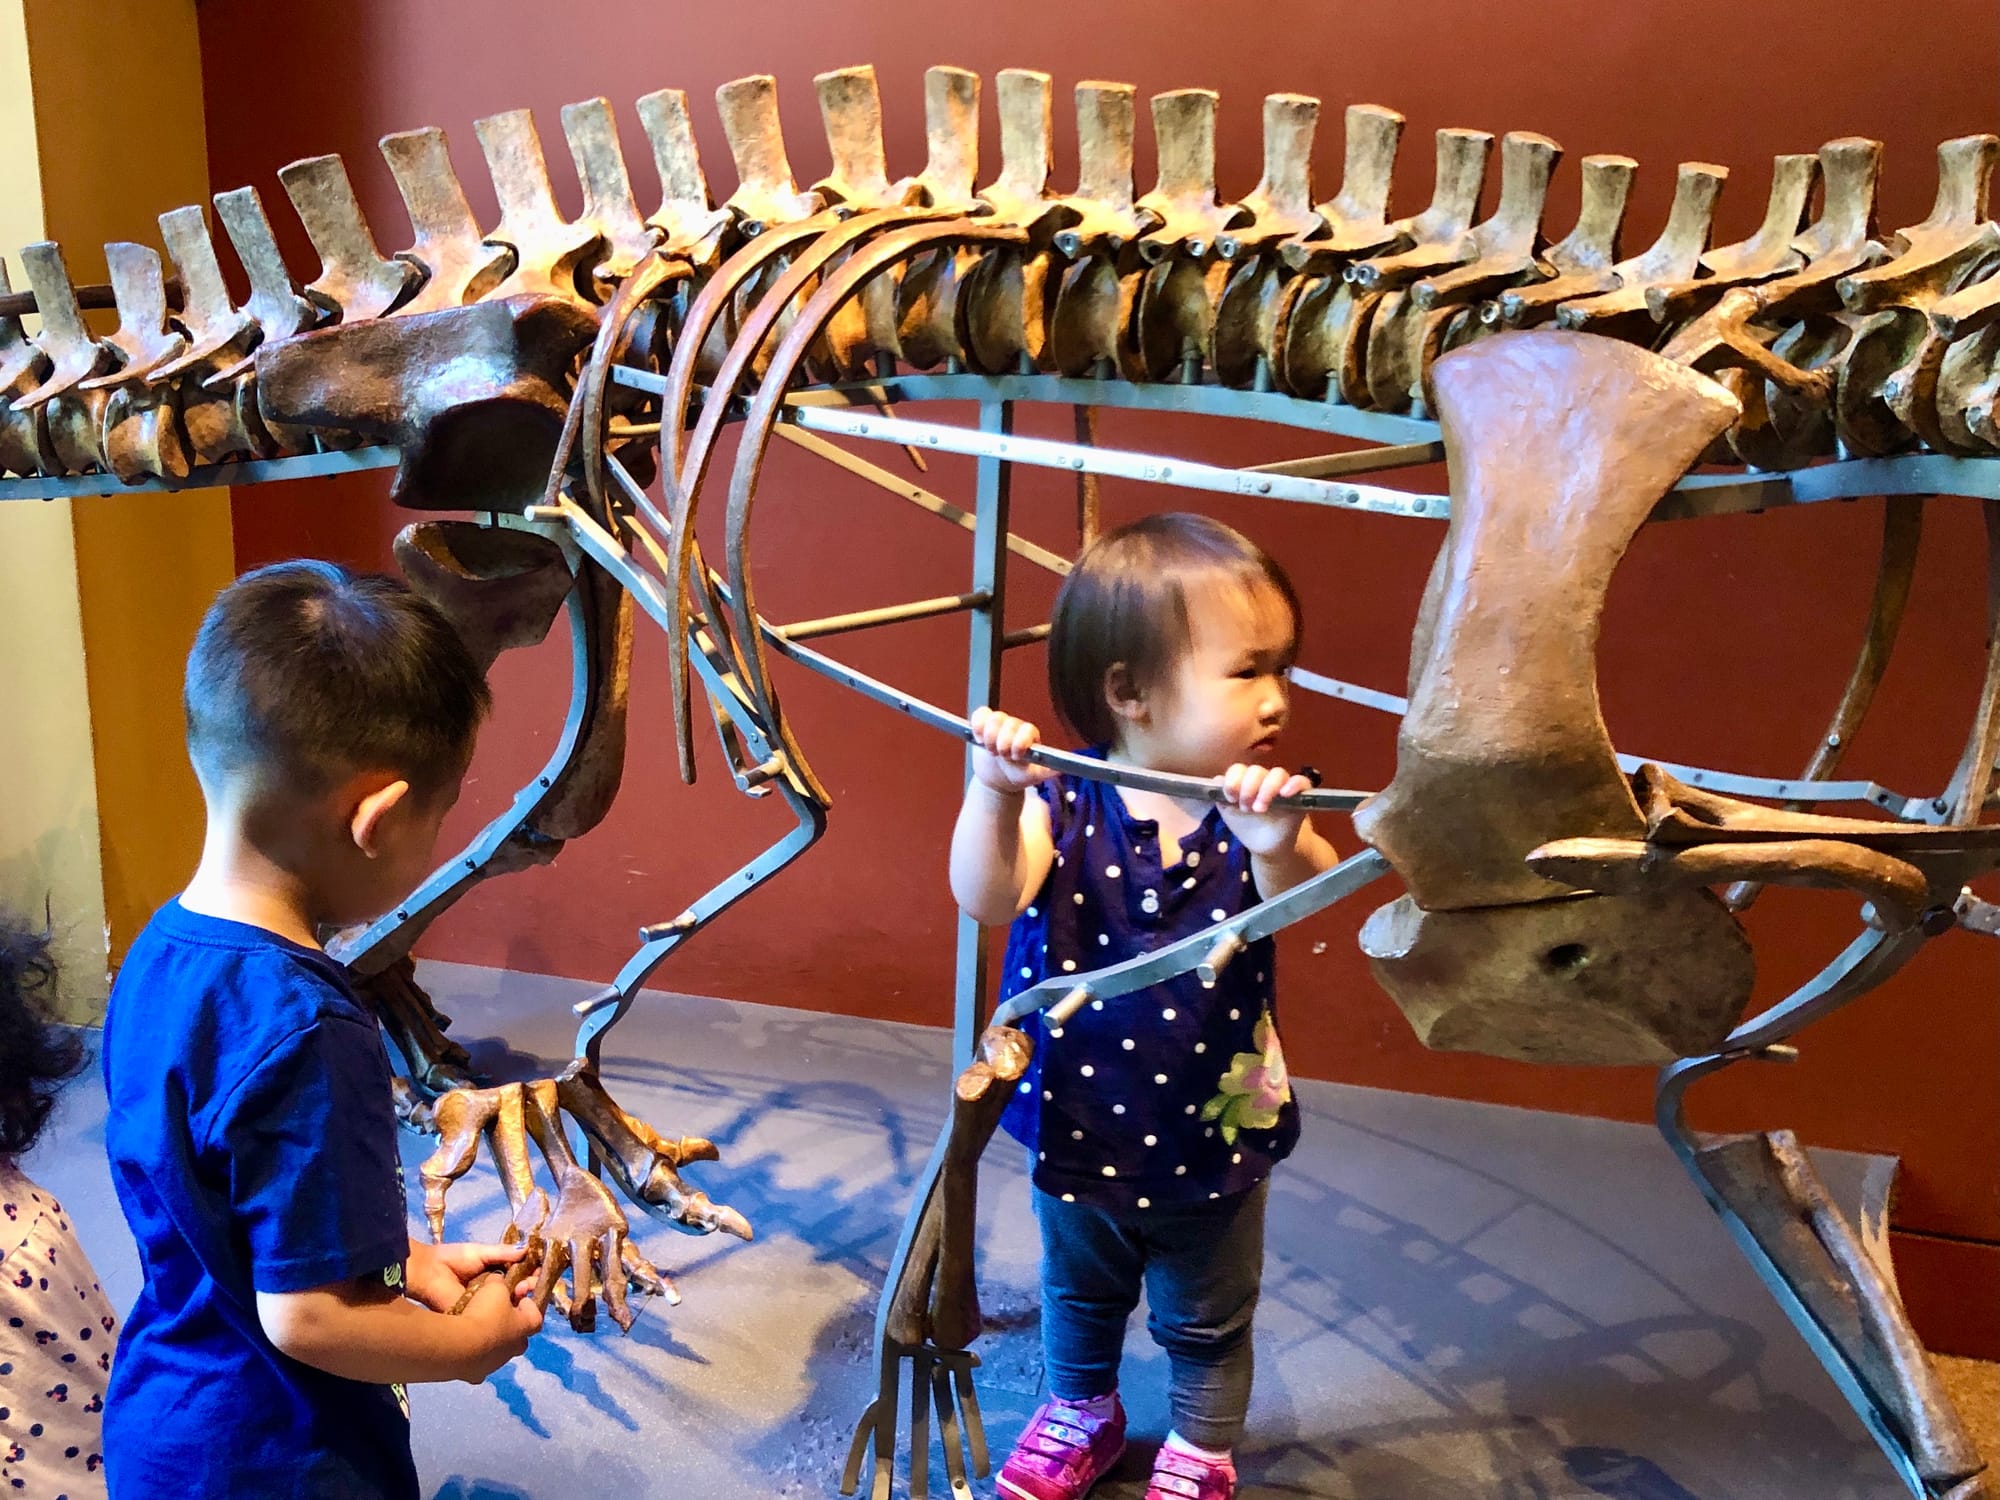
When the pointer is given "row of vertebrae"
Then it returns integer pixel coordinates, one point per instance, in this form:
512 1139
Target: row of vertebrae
1825 330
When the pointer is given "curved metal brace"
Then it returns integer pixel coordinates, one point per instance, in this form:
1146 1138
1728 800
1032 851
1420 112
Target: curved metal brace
1260 921
1864 964
391 936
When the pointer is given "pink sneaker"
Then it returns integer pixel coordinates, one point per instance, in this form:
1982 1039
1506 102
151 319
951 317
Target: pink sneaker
1063 1452
1180 1475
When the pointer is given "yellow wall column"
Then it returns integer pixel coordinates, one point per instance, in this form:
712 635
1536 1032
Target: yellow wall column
49 840
119 121
107 98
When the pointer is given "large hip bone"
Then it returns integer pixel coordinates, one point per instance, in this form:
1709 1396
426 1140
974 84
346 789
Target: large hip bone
1560 445
474 396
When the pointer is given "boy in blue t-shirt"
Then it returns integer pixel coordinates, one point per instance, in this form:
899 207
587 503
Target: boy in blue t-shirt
252 1138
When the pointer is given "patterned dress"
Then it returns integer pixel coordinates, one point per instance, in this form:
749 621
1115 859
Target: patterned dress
1173 1094
56 1337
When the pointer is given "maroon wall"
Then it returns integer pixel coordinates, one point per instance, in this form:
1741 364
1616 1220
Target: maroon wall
1726 643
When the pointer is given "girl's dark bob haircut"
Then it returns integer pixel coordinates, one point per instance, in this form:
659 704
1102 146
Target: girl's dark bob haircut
35 1056
1125 603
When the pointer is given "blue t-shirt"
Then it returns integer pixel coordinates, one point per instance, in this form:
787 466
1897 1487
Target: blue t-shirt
253 1147
1171 1094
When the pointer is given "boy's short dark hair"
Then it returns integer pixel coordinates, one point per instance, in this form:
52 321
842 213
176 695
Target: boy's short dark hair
35 1057
1126 601
303 672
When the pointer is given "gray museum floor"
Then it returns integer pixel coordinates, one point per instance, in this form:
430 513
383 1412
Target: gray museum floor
1461 1300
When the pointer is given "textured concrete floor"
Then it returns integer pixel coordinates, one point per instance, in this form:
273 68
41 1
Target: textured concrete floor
1974 1388
1461 1300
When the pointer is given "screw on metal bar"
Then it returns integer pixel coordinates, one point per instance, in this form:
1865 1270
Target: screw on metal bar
1064 1010
687 921
1226 947
756 776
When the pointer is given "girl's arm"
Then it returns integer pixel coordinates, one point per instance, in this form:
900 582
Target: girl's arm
1284 847
1289 864
1001 846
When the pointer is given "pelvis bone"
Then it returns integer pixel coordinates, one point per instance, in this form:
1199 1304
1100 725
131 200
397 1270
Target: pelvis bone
1504 741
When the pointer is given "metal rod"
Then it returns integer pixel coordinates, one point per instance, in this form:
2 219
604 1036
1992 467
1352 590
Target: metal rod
1045 453
1349 692
97 297
1187 788
985 652
1147 969
303 466
888 614
1730 783
1359 461
916 494
1199 398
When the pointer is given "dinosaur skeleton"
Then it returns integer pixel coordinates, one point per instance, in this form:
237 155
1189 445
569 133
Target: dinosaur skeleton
553 372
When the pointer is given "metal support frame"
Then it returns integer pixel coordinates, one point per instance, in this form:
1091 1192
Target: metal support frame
1864 963
453 878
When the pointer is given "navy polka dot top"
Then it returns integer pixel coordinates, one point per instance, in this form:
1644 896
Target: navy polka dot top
1171 1094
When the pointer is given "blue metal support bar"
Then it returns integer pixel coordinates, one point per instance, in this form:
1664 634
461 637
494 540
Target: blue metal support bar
1729 783
1085 458
304 466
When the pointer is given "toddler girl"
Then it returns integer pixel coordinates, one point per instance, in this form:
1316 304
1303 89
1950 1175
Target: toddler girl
1153 1118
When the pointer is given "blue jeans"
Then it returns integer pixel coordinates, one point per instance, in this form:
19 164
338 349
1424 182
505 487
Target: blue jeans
1201 1265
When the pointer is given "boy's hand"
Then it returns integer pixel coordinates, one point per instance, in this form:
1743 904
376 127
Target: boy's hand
1248 792
436 1275
499 1321
1000 755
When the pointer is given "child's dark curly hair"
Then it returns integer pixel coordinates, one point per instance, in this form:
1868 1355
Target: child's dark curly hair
35 1056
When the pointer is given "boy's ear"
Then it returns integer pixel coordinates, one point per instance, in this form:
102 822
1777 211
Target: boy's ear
1122 695
365 827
